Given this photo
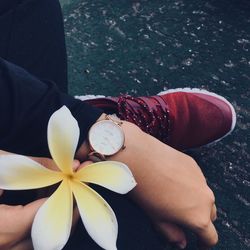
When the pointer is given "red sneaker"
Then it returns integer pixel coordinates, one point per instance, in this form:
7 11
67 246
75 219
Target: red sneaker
182 118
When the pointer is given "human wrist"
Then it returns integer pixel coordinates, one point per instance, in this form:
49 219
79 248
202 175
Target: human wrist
131 132
133 154
84 150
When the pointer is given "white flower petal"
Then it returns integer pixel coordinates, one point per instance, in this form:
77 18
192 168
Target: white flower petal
52 224
113 175
19 173
97 216
63 136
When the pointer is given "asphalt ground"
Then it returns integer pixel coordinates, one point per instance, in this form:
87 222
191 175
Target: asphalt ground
143 47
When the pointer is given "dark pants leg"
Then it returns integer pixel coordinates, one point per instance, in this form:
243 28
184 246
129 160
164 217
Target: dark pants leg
32 36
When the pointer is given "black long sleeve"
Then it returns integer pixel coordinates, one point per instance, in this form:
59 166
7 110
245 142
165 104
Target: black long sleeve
26 104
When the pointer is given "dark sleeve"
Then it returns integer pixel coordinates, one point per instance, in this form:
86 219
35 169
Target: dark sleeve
26 104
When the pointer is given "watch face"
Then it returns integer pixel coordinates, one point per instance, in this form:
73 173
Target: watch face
106 137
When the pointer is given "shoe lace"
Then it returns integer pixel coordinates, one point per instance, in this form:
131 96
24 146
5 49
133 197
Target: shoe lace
151 118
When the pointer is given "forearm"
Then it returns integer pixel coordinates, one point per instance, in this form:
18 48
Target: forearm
26 104
141 154
142 150
154 165
144 154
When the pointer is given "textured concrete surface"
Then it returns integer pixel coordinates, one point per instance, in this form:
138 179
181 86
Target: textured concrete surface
143 47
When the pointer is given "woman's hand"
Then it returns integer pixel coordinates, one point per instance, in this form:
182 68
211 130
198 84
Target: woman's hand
16 221
170 187
15 225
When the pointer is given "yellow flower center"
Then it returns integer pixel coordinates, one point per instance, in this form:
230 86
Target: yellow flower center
69 177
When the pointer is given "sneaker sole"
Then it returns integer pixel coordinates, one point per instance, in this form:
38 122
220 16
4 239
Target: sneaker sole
203 91
88 97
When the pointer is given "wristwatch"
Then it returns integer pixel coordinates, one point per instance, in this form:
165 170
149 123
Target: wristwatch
106 138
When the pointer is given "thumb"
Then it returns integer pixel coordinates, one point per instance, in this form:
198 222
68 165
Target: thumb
16 221
20 216
29 211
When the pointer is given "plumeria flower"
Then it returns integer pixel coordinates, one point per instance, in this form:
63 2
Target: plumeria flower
52 224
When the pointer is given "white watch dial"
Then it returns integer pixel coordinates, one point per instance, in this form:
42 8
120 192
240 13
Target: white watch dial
106 137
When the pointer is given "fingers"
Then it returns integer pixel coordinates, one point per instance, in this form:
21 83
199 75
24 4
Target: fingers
208 236
76 165
16 222
28 212
213 213
50 164
173 234
84 164
23 245
206 232
46 162
24 217
211 234
1 192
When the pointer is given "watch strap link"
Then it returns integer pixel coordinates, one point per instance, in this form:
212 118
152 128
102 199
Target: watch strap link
114 119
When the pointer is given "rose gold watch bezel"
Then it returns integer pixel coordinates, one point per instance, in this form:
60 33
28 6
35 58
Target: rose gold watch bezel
118 125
